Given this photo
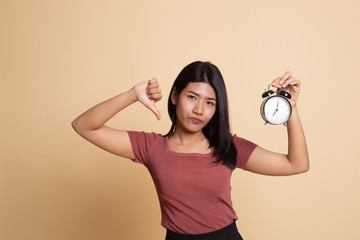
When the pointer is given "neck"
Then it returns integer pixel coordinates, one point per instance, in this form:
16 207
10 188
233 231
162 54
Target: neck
184 138
186 142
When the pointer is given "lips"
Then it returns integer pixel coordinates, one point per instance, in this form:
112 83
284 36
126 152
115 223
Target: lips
196 120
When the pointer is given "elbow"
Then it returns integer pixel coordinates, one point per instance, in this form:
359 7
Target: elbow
304 168
307 167
76 126
80 127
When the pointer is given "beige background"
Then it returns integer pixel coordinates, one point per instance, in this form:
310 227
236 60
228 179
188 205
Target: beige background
59 58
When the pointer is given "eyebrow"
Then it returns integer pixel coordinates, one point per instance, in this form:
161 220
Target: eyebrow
198 95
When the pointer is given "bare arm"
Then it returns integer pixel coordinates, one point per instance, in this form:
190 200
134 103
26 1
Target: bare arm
297 160
91 124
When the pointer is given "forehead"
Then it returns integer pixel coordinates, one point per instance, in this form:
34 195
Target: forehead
201 88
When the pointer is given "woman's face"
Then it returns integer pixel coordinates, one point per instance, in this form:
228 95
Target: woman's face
195 106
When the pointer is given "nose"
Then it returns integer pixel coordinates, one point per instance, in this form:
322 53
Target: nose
198 108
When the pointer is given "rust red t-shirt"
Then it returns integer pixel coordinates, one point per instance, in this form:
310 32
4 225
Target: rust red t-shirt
194 192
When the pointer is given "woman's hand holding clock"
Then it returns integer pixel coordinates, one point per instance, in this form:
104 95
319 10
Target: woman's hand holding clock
291 84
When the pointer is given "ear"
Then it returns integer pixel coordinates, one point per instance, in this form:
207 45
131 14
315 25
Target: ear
174 96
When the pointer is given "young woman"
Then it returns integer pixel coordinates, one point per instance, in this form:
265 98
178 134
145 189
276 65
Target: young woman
191 165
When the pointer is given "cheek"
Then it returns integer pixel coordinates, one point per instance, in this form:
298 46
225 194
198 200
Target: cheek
183 106
212 111
181 110
211 114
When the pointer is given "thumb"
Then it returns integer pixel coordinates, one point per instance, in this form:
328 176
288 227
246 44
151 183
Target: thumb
153 108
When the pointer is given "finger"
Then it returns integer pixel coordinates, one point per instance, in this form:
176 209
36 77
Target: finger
154 94
150 82
153 83
275 83
297 83
153 87
156 97
151 90
285 77
294 85
153 80
290 81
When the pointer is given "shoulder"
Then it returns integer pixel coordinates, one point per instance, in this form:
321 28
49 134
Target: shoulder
239 140
145 144
243 145
244 149
145 134
145 137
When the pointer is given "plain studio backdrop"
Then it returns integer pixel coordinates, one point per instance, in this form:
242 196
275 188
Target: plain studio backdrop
58 58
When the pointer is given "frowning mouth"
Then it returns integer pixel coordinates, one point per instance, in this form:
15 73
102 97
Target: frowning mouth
195 120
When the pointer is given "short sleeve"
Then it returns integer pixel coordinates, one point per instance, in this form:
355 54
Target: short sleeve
244 150
141 143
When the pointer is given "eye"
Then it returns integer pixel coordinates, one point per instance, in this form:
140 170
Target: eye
210 103
192 97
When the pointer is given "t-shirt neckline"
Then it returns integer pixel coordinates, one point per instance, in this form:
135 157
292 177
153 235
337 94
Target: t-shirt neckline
167 148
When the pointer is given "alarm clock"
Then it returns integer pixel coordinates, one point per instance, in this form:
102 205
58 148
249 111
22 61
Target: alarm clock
276 109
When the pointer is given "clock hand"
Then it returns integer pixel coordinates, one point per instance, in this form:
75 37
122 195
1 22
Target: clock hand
275 112
277 108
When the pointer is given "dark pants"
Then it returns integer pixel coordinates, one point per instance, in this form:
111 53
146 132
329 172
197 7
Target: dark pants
227 233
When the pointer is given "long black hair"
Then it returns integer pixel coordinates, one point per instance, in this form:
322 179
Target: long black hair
217 131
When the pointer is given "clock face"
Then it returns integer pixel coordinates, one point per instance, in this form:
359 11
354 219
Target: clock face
276 110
